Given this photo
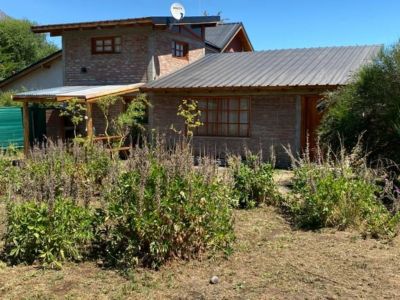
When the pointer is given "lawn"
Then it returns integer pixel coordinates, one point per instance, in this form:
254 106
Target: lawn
271 260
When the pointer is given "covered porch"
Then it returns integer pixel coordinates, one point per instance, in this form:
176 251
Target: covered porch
86 95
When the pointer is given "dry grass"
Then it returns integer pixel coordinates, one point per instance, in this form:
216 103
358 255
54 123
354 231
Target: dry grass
271 261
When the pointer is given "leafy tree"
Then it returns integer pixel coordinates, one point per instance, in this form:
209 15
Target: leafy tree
131 121
75 111
189 111
19 46
367 107
6 100
105 103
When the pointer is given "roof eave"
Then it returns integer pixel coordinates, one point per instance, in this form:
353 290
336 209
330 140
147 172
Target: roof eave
31 68
56 29
241 88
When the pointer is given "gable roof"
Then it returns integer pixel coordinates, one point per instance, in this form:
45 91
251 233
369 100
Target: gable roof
36 65
329 66
220 36
56 29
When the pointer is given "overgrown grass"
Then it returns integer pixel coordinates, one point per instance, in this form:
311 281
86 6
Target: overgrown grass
68 203
253 181
342 192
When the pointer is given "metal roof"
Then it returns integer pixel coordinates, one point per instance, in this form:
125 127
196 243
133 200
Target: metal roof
82 92
32 67
56 29
220 35
273 68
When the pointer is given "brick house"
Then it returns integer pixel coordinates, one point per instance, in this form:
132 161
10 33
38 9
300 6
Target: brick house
248 99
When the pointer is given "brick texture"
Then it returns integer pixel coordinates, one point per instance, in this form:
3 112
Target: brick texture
144 50
273 124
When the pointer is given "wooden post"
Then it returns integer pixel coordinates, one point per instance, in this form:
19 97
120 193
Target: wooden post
89 121
25 110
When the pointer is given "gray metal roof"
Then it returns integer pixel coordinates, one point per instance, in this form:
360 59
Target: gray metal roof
84 92
220 35
273 68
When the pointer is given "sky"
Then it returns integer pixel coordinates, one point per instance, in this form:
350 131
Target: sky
270 24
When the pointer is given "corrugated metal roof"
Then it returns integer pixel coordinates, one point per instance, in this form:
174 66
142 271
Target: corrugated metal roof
83 92
220 35
273 68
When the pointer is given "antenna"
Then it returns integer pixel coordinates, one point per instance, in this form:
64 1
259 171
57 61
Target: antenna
177 11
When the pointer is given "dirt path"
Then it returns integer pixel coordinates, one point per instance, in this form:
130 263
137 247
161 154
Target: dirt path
271 261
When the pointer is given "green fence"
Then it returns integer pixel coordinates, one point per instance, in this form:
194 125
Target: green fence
11 129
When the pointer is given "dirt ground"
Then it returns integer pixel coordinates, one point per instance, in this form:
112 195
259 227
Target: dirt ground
271 261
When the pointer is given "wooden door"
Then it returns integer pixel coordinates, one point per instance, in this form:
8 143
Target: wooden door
311 119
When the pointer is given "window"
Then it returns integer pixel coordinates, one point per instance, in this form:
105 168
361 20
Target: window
180 49
106 45
225 117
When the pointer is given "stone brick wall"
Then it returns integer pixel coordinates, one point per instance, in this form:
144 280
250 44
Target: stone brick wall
274 122
146 55
129 66
165 63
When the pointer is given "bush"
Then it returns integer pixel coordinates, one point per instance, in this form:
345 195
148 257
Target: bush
47 233
57 171
253 181
342 194
368 106
165 209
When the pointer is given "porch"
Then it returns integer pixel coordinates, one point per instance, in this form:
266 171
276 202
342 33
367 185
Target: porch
86 95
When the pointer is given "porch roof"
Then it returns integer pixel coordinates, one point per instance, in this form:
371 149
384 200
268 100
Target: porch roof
85 93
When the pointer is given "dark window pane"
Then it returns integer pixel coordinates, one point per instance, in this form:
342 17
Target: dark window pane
212 104
224 117
244 117
234 104
223 129
233 130
244 104
244 130
233 117
212 116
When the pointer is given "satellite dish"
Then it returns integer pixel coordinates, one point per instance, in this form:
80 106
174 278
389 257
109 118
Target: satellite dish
177 11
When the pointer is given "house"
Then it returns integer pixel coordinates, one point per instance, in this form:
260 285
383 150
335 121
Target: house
256 100
48 72
43 74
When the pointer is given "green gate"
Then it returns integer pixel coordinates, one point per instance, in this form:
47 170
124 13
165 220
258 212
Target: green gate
11 129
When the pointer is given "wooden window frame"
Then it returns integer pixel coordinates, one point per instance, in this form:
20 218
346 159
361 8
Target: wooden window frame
215 132
104 38
185 49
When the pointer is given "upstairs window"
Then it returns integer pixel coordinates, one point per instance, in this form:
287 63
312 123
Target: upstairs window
224 117
108 45
180 49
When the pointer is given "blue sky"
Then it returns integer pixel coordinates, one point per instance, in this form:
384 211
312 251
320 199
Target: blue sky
271 24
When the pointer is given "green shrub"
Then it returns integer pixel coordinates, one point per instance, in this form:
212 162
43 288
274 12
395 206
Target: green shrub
368 106
48 234
340 194
163 210
253 182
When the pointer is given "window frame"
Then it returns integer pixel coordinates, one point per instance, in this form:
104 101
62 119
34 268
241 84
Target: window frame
218 111
185 49
104 38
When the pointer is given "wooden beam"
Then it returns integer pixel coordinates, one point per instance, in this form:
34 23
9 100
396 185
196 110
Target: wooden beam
89 121
25 110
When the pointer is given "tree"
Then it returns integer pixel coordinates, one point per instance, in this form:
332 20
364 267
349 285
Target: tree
131 121
75 111
369 107
20 47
